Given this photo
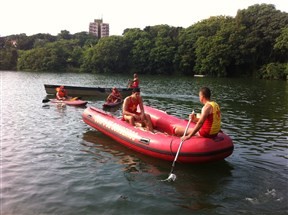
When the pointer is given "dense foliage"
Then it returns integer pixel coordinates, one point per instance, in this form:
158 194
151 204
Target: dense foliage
253 43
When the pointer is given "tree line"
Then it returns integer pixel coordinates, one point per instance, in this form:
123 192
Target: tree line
253 43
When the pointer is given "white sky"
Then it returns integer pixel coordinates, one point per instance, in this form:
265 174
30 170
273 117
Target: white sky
52 16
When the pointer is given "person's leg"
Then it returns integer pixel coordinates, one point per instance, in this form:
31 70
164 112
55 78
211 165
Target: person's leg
129 119
148 122
179 131
139 122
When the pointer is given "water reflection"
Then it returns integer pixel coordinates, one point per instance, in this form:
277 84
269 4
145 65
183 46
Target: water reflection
95 143
50 155
194 184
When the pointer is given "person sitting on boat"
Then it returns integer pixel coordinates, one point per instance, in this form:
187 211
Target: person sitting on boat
135 82
61 93
130 113
209 123
114 96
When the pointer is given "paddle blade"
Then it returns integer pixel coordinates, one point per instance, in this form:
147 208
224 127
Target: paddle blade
75 98
171 177
45 100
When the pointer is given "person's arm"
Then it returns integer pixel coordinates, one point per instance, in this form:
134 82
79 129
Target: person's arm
116 96
108 98
199 124
193 117
143 117
57 96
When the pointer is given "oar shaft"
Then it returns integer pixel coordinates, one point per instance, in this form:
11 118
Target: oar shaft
179 148
171 175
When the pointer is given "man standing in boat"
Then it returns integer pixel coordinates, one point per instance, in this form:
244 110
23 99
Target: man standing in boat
130 113
209 123
135 82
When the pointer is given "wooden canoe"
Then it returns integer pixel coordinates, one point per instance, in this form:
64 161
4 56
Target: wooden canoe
87 91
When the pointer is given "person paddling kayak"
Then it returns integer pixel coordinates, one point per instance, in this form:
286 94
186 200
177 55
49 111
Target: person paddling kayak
61 93
114 96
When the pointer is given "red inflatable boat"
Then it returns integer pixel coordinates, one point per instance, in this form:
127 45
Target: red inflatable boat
161 144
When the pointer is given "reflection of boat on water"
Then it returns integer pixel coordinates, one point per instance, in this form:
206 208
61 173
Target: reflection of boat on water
96 143
195 183
161 144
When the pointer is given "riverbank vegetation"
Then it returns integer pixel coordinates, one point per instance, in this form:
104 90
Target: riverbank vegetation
253 43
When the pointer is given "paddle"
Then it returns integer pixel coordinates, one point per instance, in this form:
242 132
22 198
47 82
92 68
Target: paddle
171 175
45 100
73 99
129 83
115 96
118 98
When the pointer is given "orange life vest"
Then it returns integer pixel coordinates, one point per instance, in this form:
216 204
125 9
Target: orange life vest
61 92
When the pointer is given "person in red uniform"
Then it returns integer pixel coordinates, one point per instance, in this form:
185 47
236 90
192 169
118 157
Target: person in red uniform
61 93
135 82
114 96
130 113
209 123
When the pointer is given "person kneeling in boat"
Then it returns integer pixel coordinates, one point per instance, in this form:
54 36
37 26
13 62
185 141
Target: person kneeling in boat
130 113
114 96
61 93
209 123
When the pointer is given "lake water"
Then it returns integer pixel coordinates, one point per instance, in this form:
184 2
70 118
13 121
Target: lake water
53 163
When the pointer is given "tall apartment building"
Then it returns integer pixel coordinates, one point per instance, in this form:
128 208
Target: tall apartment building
98 28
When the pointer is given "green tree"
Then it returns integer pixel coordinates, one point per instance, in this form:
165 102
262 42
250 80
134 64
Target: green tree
185 57
64 35
214 53
162 55
274 71
57 56
85 39
107 56
263 24
8 59
139 45
281 46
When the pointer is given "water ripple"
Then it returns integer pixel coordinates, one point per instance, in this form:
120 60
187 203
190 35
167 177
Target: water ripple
53 163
